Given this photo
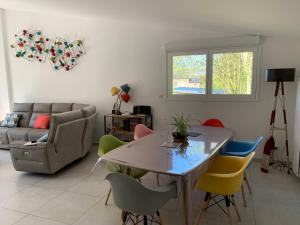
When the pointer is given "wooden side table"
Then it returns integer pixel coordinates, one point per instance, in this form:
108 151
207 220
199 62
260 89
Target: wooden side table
122 126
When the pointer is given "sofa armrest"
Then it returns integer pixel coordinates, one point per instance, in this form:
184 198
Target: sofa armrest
68 140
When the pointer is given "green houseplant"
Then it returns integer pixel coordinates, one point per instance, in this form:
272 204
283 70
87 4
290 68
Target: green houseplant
181 127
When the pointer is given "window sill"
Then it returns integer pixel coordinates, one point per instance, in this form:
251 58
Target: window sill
212 98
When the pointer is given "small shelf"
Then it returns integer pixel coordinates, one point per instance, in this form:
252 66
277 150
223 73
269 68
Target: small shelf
122 126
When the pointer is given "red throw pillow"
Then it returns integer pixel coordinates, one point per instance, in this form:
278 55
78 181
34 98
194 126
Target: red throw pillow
42 121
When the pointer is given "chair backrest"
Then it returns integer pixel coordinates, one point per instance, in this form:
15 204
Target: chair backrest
141 130
132 196
241 148
108 143
213 123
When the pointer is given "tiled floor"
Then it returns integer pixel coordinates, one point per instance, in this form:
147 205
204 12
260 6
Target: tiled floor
76 196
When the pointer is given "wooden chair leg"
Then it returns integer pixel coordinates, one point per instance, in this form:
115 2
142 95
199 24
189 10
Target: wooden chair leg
109 192
145 220
243 194
248 184
201 209
227 201
157 179
236 208
159 218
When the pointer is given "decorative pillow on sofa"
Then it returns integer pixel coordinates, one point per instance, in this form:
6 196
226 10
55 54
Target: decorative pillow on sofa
42 121
11 120
44 138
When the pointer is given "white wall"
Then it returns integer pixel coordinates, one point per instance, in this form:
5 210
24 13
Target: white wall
120 52
5 93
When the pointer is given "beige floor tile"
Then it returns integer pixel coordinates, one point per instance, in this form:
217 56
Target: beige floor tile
9 217
8 189
101 215
66 208
62 181
30 199
33 220
92 185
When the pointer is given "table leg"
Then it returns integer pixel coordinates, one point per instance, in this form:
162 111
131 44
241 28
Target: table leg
187 199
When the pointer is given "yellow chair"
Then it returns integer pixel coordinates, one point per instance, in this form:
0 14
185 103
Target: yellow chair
224 177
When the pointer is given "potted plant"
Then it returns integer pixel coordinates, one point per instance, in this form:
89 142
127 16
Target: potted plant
181 127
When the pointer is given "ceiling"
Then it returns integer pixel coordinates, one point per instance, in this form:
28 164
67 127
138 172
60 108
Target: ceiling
264 17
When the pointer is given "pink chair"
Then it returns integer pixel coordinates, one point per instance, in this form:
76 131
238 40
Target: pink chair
141 131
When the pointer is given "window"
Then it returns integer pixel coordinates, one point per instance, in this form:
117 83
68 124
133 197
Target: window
213 74
189 74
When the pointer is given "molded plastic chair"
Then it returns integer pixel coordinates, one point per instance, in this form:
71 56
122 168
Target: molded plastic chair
108 143
213 123
137 200
224 177
242 149
141 130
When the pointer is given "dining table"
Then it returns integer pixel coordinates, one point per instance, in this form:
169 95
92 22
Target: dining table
157 153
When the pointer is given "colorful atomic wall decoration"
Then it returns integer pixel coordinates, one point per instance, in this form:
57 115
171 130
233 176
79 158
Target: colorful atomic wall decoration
33 46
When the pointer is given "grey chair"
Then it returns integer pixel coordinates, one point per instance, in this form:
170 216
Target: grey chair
137 200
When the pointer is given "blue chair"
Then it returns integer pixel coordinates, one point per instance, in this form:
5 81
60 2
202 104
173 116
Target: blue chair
241 149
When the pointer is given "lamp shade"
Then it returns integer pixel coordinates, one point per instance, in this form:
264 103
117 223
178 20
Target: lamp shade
125 88
125 97
114 91
283 74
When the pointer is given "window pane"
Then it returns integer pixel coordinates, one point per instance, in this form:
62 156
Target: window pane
232 73
189 74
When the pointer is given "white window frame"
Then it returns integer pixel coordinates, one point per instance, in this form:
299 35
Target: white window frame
209 72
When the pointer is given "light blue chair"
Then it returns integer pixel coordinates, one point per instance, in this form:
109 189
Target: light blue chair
137 200
241 149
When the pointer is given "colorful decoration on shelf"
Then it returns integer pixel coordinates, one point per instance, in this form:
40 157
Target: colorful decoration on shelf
122 96
31 45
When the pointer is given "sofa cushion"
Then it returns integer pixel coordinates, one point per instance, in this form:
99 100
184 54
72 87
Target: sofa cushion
33 118
88 111
24 120
17 135
77 106
23 107
42 107
35 134
3 135
61 107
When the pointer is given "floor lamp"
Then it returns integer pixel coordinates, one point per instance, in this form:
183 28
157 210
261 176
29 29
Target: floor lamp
279 76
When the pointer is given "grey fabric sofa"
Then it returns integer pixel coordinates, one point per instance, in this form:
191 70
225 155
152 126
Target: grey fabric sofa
70 136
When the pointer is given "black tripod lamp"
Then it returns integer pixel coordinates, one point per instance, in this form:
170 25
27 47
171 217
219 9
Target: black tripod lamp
279 76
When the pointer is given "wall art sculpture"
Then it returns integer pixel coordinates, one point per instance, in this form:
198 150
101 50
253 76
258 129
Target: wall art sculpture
33 46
